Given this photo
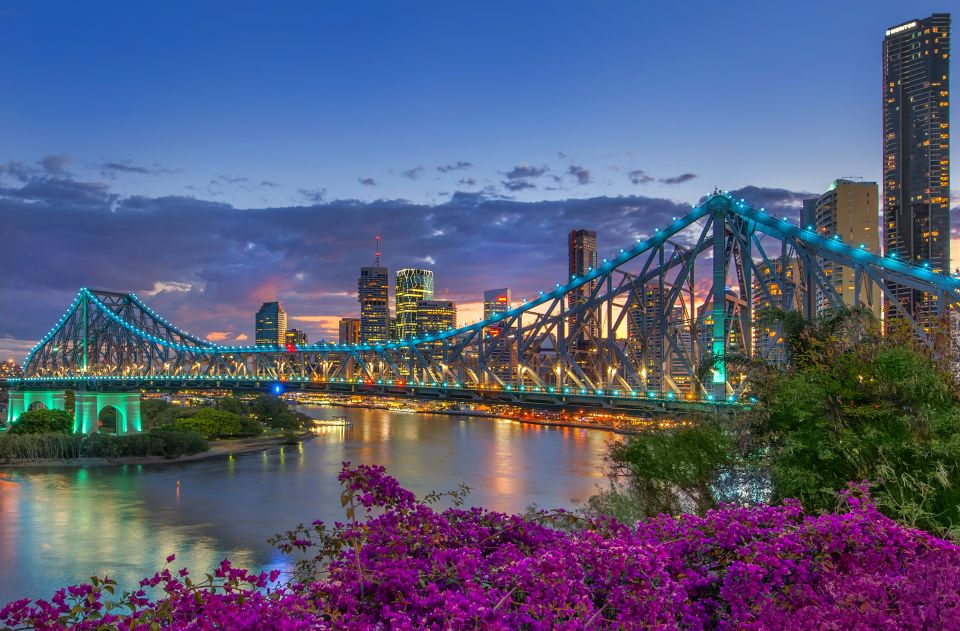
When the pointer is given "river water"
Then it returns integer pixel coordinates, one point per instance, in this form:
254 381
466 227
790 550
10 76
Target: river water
60 525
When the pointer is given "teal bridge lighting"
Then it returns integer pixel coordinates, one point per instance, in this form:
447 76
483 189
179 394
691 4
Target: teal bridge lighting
634 333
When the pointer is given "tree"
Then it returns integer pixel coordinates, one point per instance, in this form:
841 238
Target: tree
273 413
232 404
213 423
156 413
675 470
43 422
852 406
855 406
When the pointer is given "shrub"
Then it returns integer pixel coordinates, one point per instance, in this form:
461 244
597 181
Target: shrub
213 423
273 413
43 422
864 407
156 413
399 563
166 443
15 447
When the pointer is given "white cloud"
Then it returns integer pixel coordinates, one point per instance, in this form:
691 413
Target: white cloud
171 286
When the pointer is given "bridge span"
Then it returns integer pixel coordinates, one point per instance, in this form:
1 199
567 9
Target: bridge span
633 334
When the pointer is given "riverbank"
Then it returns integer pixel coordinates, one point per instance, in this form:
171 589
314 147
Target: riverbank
218 449
533 421
487 415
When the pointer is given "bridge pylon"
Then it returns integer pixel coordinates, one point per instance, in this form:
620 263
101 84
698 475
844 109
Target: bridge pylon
87 408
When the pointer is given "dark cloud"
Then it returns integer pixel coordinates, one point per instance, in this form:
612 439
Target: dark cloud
582 174
229 179
522 171
778 200
468 181
367 181
207 266
639 177
412 174
678 179
112 169
65 193
313 195
19 171
56 164
221 181
459 165
518 185
49 166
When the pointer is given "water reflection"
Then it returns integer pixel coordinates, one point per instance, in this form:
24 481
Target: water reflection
59 526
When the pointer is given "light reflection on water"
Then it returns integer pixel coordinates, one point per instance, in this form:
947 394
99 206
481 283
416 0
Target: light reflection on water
60 525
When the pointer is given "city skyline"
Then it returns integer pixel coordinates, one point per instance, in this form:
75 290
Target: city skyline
283 252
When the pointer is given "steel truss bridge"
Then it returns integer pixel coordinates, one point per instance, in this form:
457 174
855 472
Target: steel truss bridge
630 334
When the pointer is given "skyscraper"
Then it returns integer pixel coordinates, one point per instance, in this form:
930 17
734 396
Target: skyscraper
916 154
848 210
271 324
434 316
664 349
782 280
349 331
495 301
413 285
373 294
503 355
296 337
582 257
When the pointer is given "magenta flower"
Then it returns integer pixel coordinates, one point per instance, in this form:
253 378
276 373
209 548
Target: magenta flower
406 565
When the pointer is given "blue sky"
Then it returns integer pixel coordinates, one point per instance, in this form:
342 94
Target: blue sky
262 107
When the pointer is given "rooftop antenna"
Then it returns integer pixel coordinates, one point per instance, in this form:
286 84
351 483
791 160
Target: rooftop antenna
377 264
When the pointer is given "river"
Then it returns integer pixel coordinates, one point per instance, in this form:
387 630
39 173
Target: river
61 525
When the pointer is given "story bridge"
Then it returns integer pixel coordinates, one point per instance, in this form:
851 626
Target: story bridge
628 335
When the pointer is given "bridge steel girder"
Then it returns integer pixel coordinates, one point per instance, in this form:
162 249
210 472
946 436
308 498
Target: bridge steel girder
633 326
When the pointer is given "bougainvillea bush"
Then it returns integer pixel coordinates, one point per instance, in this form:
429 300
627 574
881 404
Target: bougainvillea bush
400 563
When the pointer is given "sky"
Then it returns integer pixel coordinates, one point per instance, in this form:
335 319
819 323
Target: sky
210 156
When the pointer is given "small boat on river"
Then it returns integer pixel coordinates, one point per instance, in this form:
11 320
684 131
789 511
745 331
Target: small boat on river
337 421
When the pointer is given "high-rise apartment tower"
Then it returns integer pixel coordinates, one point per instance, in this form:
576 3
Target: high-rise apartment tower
916 154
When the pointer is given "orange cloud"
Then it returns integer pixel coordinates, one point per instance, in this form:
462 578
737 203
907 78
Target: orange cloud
218 336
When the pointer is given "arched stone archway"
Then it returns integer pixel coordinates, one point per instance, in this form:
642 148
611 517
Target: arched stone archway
19 401
90 405
109 420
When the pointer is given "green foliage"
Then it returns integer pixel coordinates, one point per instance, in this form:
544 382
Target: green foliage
273 413
854 405
43 422
232 404
166 443
213 423
156 413
666 471
858 406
